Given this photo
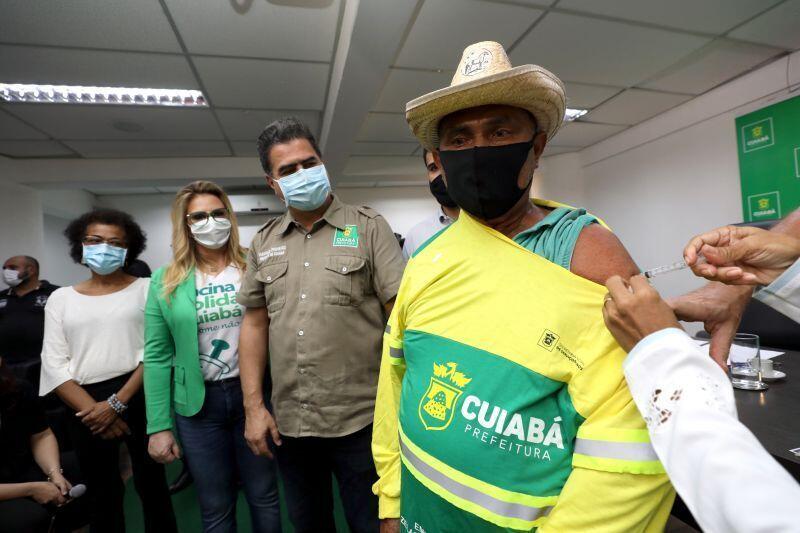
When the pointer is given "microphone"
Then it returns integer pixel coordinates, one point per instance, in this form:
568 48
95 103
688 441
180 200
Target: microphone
77 491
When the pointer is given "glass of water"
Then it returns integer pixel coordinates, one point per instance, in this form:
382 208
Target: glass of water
745 362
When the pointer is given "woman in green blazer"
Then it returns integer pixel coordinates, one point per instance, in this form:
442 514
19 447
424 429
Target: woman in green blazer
191 363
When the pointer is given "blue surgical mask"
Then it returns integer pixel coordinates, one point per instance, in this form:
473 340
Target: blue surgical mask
306 189
103 258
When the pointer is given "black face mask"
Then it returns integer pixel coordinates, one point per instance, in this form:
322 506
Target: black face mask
439 191
483 180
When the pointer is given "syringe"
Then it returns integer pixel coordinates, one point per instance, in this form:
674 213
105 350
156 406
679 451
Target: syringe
672 267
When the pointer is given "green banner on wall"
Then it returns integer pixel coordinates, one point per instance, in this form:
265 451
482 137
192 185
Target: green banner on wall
769 160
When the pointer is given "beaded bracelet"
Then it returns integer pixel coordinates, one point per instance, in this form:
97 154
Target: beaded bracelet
116 404
50 473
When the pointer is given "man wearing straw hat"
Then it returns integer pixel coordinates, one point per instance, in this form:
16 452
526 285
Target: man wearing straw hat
501 400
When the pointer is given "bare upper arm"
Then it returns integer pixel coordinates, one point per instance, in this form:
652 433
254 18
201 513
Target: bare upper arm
599 254
256 318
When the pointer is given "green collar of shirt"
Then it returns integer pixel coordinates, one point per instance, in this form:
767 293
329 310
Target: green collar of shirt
554 237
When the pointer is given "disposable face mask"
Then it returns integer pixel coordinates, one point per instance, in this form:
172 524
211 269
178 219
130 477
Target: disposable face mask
306 189
483 180
11 277
103 258
439 191
213 234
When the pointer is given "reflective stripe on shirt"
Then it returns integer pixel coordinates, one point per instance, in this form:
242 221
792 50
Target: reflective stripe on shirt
512 514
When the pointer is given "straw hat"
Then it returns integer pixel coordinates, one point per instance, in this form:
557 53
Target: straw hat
485 76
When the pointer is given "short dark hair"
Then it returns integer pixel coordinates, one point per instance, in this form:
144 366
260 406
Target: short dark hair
282 131
76 231
33 262
425 156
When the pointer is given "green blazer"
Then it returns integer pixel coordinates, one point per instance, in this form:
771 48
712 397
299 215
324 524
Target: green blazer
172 374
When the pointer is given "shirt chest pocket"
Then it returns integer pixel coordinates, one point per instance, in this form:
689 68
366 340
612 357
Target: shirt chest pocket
273 276
347 280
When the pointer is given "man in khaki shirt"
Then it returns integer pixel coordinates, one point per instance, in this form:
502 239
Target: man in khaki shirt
319 285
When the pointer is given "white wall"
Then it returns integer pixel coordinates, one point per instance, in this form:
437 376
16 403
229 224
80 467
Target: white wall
656 197
402 207
21 232
661 182
56 265
560 178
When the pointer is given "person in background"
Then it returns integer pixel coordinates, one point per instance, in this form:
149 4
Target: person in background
138 269
319 285
22 315
191 363
32 481
687 400
446 213
91 357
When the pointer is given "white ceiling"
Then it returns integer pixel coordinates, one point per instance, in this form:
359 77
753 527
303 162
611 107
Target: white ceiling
257 60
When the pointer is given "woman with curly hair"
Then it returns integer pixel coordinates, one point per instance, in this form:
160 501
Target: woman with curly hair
92 359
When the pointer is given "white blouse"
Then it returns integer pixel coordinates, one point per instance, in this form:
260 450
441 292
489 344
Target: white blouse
92 338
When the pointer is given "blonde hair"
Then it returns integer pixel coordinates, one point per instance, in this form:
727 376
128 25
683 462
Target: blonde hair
184 247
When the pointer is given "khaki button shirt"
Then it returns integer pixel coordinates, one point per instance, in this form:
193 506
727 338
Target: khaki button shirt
324 292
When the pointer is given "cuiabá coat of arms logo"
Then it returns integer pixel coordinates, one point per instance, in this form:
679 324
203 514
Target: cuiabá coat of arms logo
437 406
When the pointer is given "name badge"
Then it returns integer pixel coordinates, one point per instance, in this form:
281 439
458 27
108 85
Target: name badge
348 237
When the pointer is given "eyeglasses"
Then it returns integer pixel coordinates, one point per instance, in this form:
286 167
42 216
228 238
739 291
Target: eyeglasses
91 240
201 217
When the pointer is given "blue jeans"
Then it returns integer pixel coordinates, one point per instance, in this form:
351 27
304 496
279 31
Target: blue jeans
217 456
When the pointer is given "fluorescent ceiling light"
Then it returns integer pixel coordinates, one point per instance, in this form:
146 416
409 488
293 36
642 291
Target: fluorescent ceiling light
76 94
572 114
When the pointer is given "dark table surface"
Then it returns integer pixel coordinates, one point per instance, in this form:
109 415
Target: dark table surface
773 415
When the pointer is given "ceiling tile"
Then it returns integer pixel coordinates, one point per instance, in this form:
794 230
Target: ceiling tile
26 64
634 106
555 150
98 122
13 128
534 3
385 127
263 84
34 149
121 189
387 148
149 148
590 50
244 148
776 27
712 65
709 16
583 96
115 24
443 29
261 29
247 125
584 134
404 85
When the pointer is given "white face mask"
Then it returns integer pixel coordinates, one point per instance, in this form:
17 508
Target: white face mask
213 234
11 277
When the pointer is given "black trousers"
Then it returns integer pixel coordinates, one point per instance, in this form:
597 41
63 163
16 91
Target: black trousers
24 515
99 463
306 465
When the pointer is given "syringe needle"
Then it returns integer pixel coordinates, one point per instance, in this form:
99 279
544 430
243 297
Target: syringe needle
672 267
